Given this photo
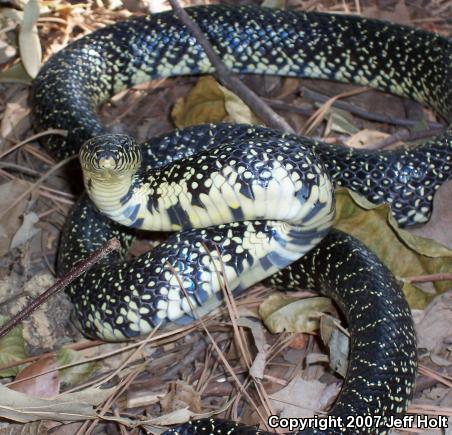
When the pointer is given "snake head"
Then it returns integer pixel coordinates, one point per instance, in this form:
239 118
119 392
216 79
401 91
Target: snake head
110 156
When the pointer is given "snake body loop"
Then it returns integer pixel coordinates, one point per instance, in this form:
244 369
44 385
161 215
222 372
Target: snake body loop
247 198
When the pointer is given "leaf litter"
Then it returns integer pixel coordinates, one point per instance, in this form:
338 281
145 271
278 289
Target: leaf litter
86 380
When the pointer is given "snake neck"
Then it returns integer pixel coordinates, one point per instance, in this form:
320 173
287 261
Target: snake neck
112 195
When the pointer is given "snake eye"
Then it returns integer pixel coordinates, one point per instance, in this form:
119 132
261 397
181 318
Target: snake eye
112 154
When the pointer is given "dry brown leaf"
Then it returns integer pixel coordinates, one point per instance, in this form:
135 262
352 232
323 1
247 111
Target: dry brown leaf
319 115
289 87
20 407
402 251
400 14
11 222
208 101
302 398
337 340
237 110
299 342
204 103
27 230
67 429
7 51
34 428
257 330
16 111
365 137
438 227
181 395
45 385
434 326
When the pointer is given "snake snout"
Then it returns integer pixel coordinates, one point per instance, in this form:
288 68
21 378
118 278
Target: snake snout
110 154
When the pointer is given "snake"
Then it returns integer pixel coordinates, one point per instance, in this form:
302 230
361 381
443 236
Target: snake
245 203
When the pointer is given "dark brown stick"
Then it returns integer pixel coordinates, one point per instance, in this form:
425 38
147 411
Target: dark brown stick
358 111
406 136
281 105
259 107
63 282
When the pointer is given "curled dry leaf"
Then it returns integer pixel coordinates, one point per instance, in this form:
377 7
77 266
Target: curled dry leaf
284 313
21 407
365 138
42 384
257 330
337 342
14 121
26 231
181 395
29 44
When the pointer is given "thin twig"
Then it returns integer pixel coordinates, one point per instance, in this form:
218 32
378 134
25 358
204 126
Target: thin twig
428 278
19 168
281 105
319 114
406 136
63 282
32 138
358 111
215 345
225 76
36 185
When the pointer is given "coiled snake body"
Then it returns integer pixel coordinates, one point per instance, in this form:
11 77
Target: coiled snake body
251 199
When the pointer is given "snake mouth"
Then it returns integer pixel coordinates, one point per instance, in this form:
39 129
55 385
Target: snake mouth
110 156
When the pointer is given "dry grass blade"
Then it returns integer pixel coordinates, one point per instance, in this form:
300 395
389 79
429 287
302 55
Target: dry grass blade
37 184
432 374
32 138
240 337
131 356
317 117
220 354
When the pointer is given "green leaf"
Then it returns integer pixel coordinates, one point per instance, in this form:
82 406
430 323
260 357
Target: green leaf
76 374
405 253
12 349
342 122
15 74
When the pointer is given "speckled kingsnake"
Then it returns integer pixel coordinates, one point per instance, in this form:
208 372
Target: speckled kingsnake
218 175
